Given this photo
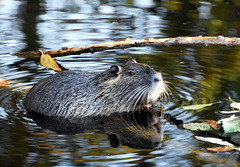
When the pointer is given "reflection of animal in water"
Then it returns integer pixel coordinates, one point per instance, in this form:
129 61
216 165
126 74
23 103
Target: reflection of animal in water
139 130
142 129
129 87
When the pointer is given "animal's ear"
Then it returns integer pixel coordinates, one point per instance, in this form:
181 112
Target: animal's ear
115 70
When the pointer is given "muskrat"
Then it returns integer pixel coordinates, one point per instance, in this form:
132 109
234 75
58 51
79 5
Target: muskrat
74 93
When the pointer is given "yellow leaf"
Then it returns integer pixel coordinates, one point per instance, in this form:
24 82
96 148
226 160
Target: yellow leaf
47 61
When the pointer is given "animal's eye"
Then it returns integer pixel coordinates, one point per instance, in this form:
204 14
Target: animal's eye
114 69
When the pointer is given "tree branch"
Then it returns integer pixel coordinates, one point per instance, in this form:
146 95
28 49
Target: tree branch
220 40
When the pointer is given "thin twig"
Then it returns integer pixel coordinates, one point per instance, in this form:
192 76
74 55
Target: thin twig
220 40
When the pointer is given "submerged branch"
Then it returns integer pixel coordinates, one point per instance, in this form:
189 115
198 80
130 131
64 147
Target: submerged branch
220 40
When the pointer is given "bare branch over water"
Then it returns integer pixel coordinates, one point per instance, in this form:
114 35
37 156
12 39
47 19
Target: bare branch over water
161 42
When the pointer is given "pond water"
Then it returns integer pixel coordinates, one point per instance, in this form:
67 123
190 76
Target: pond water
197 75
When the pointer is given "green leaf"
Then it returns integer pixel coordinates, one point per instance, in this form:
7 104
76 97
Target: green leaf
198 126
197 106
231 126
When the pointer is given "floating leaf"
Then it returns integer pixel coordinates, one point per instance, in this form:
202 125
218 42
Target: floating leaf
198 126
229 112
45 145
47 61
221 149
227 146
214 140
55 151
231 126
78 160
197 106
212 123
234 104
227 119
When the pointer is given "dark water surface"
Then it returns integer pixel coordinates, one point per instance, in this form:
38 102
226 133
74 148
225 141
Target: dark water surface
197 75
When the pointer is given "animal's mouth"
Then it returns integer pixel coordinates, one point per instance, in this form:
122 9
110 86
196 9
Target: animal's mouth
152 96
148 105
145 106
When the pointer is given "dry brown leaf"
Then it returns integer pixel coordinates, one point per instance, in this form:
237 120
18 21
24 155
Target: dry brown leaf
79 160
47 61
212 123
221 149
55 151
41 134
45 145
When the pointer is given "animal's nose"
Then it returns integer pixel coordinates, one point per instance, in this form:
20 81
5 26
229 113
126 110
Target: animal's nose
157 77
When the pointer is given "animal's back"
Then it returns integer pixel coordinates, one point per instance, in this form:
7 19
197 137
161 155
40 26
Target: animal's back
58 94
